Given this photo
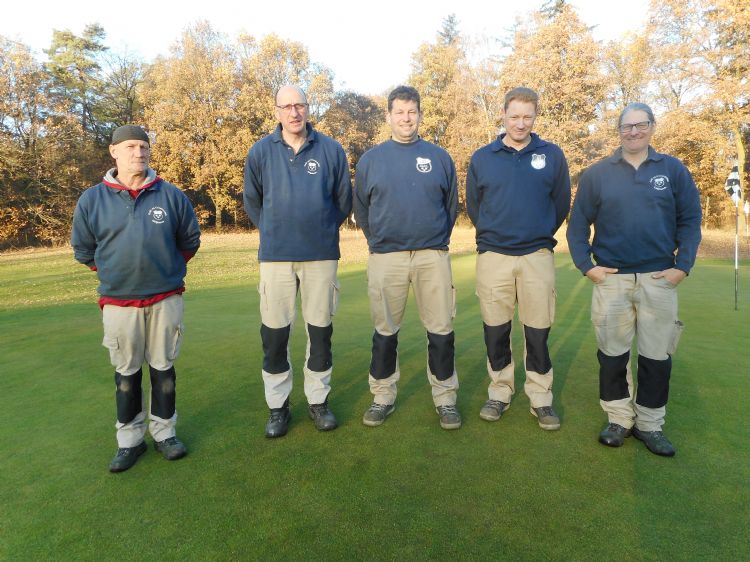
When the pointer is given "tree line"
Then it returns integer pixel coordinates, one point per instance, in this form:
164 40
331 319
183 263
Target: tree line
211 97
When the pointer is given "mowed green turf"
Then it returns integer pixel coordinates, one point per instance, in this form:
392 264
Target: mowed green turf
407 490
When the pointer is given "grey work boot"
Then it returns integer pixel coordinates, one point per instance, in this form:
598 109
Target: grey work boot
493 409
449 417
376 414
546 417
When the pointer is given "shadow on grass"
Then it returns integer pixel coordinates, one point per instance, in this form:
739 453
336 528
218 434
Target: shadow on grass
405 490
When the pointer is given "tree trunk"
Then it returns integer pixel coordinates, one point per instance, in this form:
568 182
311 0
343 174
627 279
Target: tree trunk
218 217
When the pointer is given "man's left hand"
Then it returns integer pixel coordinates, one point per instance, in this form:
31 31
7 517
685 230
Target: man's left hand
673 275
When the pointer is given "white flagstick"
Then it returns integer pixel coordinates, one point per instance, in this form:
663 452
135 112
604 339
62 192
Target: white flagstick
733 187
736 199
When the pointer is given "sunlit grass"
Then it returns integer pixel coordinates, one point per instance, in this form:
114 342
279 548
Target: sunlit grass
404 491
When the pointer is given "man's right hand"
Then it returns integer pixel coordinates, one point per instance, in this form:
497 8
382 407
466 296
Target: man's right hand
598 273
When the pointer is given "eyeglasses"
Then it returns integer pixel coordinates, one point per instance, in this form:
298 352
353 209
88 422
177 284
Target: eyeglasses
300 107
627 127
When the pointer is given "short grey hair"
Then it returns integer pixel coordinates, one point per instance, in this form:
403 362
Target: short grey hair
637 106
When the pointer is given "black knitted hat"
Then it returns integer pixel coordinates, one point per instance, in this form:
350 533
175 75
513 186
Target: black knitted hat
129 132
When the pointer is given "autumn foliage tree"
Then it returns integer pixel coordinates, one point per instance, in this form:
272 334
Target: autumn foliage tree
191 108
212 97
556 55
701 85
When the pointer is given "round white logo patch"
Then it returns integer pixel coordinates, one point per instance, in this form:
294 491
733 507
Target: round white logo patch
659 182
424 165
538 161
312 166
157 214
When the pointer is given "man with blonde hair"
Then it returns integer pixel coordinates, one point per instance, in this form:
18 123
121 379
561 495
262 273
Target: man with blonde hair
517 196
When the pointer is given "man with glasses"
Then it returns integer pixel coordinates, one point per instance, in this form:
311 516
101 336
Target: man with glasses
297 193
406 201
517 196
646 214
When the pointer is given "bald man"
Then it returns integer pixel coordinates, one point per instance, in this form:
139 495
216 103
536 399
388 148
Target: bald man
297 193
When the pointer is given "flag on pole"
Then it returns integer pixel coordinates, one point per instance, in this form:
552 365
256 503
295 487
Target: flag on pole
732 185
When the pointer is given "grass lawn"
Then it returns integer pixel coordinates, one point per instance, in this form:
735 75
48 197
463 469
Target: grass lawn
407 490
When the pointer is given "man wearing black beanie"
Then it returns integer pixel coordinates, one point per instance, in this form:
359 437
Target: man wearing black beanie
138 232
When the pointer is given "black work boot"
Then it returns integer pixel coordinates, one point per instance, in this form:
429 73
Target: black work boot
655 441
278 421
171 448
613 435
322 416
126 457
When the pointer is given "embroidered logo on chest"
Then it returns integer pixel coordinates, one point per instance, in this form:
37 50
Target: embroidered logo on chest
424 165
538 161
659 182
157 214
312 166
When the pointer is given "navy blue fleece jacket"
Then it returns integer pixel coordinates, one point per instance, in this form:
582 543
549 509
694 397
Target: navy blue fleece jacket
297 201
641 217
405 196
517 199
137 245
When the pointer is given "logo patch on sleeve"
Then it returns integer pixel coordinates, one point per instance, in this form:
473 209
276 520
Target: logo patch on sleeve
538 161
659 182
157 214
424 165
312 166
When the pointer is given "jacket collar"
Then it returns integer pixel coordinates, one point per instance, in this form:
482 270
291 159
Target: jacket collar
110 180
617 156
534 143
311 134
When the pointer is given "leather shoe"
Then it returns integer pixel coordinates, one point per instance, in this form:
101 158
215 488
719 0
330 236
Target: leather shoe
493 409
171 448
613 435
322 416
449 416
655 441
546 417
126 457
278 421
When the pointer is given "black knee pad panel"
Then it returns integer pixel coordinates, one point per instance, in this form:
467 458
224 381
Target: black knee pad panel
320 348
653 381
613 382
384 355
275 341
128 395
497 340
537 352
441 355
163 393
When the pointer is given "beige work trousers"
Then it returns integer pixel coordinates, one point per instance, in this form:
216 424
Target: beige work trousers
389 277
629 305
528 281
133 335
319 290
